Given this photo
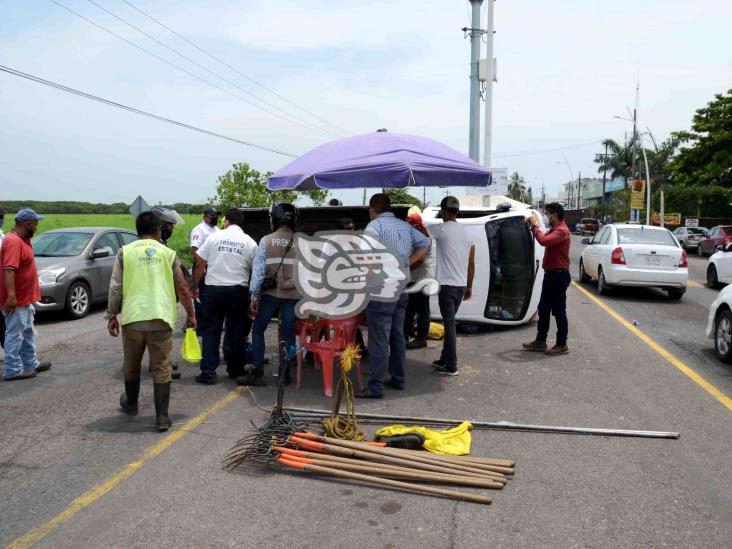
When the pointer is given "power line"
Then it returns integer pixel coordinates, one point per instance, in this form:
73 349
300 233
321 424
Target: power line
544 151
80 93
227 65
247 92
178 66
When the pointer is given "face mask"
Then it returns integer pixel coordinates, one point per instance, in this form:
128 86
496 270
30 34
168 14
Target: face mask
165 234
213 221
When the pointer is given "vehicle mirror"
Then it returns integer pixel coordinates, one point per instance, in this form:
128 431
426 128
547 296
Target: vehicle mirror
586 241
100 253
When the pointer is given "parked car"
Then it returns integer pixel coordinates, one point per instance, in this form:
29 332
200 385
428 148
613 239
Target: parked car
719 268
635 255
75 266
587 225
689 237
721 235
719 324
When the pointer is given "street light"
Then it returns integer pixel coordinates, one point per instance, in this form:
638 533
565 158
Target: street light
571 182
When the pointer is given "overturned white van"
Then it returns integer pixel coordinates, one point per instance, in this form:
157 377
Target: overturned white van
508 272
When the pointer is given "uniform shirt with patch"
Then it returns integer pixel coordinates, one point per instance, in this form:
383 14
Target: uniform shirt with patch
200 233
229 255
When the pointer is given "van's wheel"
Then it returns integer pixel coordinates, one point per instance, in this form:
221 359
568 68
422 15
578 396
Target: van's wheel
78 300
712 278
602 287
723 336
583 276
675 295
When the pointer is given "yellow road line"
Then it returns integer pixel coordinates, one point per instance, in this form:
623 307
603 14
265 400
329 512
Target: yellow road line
689 372
694 284
41 531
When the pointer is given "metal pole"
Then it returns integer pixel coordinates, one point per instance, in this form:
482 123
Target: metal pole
488 136
364 196
475 32
499 425
604 178
648 184
579 188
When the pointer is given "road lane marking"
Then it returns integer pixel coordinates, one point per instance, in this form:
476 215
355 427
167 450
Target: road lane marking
41 531
694 284
689 372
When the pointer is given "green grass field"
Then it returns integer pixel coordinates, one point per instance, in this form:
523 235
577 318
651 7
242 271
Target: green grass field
179 241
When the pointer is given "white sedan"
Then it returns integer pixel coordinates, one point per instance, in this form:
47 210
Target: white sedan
719 268
635 255
719 324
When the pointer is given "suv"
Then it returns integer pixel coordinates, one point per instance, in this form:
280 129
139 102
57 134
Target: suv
587 225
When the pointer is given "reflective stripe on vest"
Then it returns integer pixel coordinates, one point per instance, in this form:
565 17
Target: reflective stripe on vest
148 289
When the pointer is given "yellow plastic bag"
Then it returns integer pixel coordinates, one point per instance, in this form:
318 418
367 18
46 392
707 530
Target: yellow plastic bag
190 349
455 441
436 331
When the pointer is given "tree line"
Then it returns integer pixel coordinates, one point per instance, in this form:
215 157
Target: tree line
76 207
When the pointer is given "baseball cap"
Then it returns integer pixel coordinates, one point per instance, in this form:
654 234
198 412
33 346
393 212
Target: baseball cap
26 214
415 219
210 210
450 203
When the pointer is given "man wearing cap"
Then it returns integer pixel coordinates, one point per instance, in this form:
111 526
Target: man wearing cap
455 271
198 236
19 289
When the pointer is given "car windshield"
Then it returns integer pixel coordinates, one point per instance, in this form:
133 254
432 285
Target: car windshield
588 220
694 230
727 230
641 235
60 244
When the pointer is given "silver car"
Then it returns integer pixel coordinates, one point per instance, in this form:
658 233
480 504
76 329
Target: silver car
75 266
689 237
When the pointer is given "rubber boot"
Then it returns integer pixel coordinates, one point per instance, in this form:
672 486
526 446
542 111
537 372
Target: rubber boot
162 400
128 400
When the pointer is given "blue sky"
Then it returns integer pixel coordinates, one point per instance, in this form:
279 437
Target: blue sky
564 69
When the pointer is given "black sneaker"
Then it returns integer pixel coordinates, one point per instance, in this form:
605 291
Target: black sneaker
438 364
206 379
447 371
417 344
253 379
43 366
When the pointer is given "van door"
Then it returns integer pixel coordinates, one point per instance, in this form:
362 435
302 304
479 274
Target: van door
513 268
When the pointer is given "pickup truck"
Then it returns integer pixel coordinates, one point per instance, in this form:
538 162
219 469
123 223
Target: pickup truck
587 225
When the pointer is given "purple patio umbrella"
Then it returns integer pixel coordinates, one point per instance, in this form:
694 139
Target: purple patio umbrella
380 159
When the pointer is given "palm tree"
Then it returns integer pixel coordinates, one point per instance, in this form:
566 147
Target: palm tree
618 161
517 188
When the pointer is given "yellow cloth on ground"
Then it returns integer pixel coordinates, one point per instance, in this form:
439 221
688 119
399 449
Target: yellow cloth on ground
454 441
436 331
190 349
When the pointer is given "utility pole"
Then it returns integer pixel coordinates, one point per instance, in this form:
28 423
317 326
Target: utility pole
424 197
579 188
475 33
488 137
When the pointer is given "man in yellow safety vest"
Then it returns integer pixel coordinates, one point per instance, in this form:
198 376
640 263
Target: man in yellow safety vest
145 281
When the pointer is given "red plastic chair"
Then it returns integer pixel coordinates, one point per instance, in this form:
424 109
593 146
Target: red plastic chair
308 332
327 350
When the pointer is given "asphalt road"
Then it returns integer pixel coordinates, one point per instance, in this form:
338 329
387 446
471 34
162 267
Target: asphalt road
74 472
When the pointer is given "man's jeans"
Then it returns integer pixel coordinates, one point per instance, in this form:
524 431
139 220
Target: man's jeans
230 304
269 306
450 298
554 302
387 346
20 343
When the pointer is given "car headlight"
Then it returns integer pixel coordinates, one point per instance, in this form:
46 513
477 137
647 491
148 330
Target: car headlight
50 276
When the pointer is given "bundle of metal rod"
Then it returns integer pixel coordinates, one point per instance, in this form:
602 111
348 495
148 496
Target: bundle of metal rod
480 425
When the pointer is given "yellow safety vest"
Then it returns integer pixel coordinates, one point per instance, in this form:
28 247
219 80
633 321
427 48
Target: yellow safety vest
148 288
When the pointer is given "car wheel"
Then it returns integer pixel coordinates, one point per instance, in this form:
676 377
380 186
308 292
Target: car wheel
712 278
583 276
602 287
78 300
723 336
675 295
699 251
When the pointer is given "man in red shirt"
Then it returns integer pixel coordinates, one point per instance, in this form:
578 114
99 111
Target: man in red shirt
556 280
19 289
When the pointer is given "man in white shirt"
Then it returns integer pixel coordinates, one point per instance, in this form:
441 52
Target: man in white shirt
198 237
226 258
455 271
